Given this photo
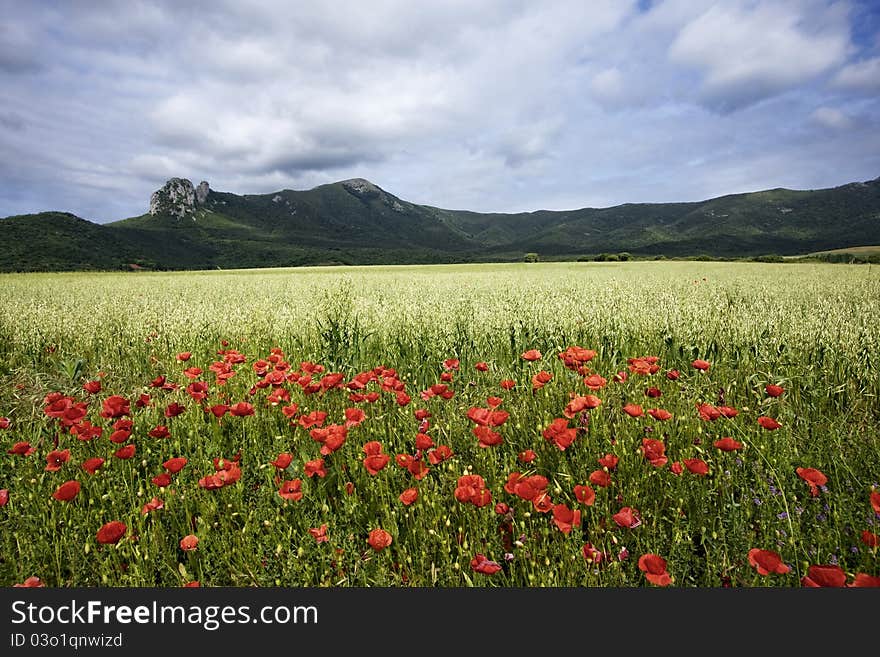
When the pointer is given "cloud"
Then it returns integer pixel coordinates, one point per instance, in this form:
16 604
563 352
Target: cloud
832 118
862 75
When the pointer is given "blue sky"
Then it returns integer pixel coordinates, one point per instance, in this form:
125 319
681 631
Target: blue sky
489 106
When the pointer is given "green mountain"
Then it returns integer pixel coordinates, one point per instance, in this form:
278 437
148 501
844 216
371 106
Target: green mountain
357 222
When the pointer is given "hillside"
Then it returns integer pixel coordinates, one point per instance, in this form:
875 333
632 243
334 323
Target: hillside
357 222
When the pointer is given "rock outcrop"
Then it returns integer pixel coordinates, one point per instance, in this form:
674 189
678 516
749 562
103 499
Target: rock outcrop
179 198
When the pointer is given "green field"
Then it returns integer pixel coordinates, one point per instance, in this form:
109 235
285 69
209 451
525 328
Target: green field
811 329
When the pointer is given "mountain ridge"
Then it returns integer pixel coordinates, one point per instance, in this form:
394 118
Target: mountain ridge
355 221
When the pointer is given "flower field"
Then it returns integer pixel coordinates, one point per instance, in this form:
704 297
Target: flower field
560 424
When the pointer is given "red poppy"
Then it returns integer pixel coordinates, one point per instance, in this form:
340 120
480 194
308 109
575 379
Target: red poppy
501 508
22 448
111 532
633 410
175 465
727 444
480 564
701 365
189 542
487 417
595 382
4 422
66 491
579 404
584 494
508 384
184 356
282 461
313 419
542 503
472 489
875 501
600 478
494 402
192 372
354 416
55 459
153 505
4 496
161 431
451 363
241 409
375 462
654 567
643 366
319 533
767 562
440 454
708 413
315 468
487 437
92 465
349 488
565 519
609 461
728 412
409 496
865 580
291 490
174 409
676 468
591 554
126 452
115 406
773 390
627 518
659 414
768 423
30 583
402 398
540 380
379 539
481 366
814 478
870 539
654 452
424 441
527 456
532 355
560 434
697 466
824 576
92 387
673 375
120 436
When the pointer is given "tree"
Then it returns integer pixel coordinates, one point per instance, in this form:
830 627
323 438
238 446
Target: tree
530 257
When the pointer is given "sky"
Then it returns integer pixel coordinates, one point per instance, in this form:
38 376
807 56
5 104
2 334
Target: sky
494 106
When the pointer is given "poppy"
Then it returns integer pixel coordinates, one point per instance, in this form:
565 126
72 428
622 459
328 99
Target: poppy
402 398
92 387
643 366
627 518
126 452
653 392
198 390
184 356
814 478
768 423
697 466
4 422
585 494
379 539
728 412
824 576
314 467
375 462
472 489
481 366
354 416
676 468
480 564
591 554
609 461
863 579
66 491
773 390
189 543
22 448
153 505
527 456
56 458
282 461
708 413
540 380
4 496
654 452
870 539
219 410
30 583
673 375
192 372
446 377
579 404
701 365
508 384
120 436
174 409
565 519
313 419
767 562
531 355
600 478
875 501
291 490
595 382
494 402
487 437
115 406
633 410
111 532
92 465
424 441
727 444
501 508
161 431
175 465
654 567
161 480
560 434
409 496
241 409
319 533
542 503
440 454
659 414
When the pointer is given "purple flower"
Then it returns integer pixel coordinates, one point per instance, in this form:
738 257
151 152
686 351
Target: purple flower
782 516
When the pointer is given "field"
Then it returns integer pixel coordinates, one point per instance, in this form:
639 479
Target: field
561 424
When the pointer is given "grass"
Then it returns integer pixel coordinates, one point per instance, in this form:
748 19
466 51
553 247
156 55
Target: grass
809 328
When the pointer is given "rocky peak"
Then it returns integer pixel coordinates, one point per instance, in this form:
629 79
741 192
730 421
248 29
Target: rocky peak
360 187
178 197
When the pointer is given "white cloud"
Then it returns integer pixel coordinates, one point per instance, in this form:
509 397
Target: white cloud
863 75
831 117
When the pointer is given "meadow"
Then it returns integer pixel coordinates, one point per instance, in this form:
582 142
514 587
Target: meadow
693 424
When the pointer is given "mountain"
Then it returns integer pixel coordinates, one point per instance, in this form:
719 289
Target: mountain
356 222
